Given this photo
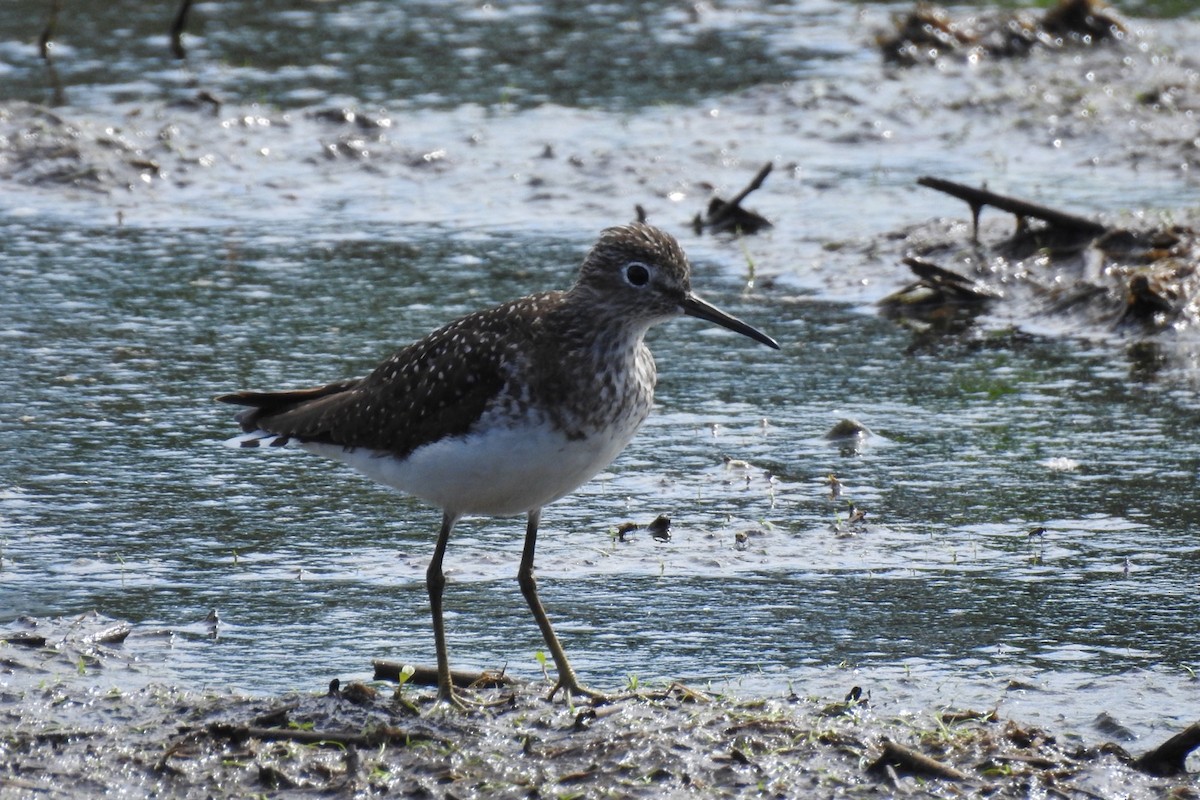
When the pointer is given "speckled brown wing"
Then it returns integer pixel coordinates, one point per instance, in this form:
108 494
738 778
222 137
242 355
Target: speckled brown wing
266 405
431 389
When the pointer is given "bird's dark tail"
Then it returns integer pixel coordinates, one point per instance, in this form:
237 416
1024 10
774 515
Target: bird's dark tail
264 405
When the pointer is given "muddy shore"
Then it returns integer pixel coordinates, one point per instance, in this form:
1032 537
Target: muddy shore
72 731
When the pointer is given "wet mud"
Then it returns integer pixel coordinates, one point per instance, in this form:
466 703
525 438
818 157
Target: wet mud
70 731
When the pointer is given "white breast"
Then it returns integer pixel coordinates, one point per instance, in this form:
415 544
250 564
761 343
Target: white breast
499 471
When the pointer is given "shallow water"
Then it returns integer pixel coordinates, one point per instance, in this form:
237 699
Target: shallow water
285 267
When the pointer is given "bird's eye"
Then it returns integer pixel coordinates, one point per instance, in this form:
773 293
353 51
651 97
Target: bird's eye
637 274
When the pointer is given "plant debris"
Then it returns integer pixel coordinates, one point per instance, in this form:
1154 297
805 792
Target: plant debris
67 733
1144 280
928 32
729 216
659 529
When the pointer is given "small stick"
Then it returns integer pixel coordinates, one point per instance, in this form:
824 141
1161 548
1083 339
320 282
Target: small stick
759 177
910 761
1037 762
727 208
977 198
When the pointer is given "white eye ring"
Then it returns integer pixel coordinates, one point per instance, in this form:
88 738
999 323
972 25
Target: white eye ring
637 273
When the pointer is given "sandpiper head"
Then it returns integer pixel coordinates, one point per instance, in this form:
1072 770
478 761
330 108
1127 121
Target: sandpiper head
642 273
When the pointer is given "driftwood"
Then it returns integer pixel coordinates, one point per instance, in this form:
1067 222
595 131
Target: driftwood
428 676
1022 209
728 217
910 762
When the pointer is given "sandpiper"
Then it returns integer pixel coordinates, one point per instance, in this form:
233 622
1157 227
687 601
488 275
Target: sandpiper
504 410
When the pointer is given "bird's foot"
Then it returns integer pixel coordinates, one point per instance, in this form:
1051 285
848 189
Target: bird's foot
573 688
453 701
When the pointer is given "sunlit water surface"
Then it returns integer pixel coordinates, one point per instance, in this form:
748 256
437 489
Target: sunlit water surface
279 267
119 496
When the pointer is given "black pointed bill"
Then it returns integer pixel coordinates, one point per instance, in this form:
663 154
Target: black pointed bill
693 306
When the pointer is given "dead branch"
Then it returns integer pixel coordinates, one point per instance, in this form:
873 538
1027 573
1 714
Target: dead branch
978 198
906 760
722 216
754 184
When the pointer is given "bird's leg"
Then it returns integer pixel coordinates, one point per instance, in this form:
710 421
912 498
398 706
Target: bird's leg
567 681
435 582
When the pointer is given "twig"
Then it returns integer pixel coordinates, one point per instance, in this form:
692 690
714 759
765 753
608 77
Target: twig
724 216
1169 757
759 177
1037 762
955 717
905 759
978 198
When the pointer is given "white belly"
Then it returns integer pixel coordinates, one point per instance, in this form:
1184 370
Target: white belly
499 472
